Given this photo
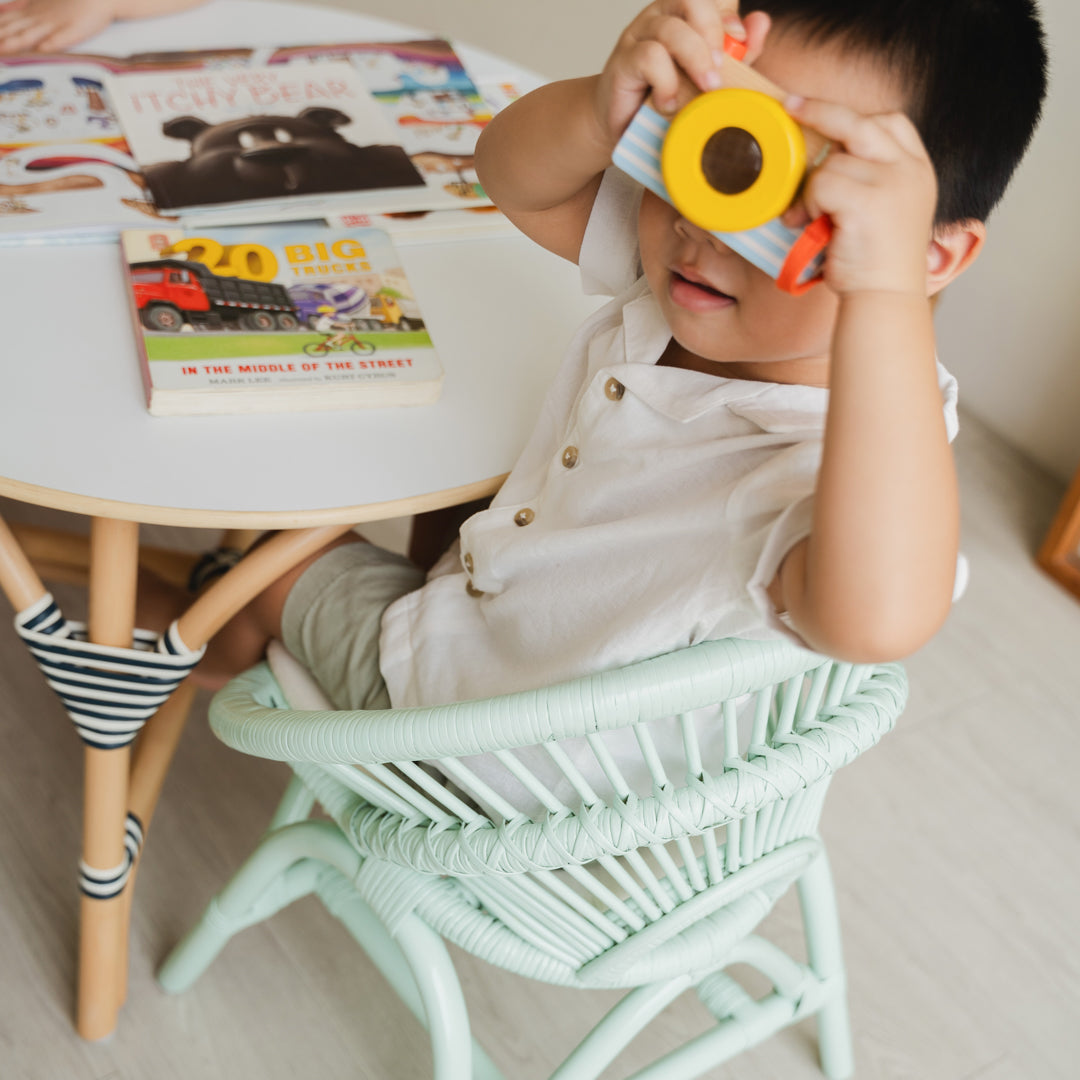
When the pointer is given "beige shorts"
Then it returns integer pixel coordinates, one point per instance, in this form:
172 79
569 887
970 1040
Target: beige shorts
333 614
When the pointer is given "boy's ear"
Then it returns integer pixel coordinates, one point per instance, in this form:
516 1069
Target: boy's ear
952 249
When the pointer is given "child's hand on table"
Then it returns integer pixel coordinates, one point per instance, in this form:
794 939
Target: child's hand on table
56 25
51 25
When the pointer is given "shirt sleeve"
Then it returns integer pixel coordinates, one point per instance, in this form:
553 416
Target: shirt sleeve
793 524
790 527
609 260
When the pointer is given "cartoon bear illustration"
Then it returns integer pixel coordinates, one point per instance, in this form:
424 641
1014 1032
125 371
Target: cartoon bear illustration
260 157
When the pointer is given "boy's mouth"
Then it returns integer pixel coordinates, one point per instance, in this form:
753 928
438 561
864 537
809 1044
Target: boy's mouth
689 291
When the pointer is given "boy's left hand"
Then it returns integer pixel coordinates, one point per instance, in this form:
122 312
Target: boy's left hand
879 189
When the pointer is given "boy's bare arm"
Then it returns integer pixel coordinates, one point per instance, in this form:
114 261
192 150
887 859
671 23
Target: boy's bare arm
542 158
874 579
55 25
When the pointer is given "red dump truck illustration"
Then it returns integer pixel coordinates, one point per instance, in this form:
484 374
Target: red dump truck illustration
172 292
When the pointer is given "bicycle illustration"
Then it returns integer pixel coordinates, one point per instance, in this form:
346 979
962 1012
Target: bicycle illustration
339 342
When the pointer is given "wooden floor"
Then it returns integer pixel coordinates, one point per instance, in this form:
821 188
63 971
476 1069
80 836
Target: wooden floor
956 846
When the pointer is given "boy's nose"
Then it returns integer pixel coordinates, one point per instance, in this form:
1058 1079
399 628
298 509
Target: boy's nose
689 231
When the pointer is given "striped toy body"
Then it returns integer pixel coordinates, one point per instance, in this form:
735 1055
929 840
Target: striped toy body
767 247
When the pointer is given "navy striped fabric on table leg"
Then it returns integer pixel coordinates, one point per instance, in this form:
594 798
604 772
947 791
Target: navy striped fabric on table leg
109 693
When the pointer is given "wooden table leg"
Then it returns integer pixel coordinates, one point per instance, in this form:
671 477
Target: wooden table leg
114 552
153 754
112 785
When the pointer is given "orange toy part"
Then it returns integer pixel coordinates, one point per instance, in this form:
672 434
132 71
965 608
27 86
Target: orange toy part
814 239
733 47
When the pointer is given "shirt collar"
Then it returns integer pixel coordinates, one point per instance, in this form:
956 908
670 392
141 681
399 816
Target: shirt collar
686 395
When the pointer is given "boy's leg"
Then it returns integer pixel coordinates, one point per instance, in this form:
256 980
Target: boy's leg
242 641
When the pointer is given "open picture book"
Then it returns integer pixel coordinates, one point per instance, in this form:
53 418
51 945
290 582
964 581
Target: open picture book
89 145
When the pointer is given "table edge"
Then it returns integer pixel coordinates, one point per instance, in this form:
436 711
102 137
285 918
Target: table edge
146 514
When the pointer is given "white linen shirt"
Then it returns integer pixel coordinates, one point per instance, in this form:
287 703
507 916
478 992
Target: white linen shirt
650 509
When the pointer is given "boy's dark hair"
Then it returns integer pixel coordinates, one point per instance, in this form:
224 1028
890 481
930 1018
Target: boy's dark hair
975 72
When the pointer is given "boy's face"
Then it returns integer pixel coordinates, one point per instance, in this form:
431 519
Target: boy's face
723 310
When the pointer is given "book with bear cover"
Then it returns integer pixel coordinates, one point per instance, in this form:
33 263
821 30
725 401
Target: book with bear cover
67 174
291 140
422 86
276 318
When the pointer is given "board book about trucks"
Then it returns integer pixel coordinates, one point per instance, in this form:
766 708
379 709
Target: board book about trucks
276 318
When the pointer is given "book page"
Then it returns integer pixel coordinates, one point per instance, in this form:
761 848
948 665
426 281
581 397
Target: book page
64 160
210 137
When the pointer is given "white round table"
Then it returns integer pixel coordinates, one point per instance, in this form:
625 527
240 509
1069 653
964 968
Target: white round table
75 435
74 431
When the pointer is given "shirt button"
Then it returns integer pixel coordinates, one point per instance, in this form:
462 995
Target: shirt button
468 560
524 517
570 456
614 389
472 590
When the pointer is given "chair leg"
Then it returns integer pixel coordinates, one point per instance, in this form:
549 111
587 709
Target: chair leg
622 1024
260 887
440 991
296 805
821 923
415 962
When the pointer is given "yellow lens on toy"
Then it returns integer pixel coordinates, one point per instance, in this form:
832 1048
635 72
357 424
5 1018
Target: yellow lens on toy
732 160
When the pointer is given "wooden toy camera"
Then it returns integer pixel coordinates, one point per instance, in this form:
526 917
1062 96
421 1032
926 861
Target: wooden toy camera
732 161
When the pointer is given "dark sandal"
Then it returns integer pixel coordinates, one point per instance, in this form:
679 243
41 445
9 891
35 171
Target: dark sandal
211 566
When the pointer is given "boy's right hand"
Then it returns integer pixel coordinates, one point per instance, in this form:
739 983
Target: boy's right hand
666 38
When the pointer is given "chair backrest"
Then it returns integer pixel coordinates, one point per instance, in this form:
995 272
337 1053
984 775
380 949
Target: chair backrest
604 821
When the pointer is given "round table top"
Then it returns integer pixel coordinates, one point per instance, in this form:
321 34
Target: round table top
74 430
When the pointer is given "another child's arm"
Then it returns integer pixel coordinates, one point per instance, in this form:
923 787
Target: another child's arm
874 579
542 158
55 25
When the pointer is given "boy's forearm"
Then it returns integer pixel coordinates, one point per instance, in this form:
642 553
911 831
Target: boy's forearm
877 571
542 150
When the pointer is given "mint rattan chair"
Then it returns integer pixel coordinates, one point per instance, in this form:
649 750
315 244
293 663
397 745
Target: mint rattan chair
615 831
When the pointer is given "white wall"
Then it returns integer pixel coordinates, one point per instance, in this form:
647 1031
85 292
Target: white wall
1010 329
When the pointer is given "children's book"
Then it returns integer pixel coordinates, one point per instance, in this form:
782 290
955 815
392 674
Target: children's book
66 172
209 137
423 88
91 144
426 226
64 163
276 318
367 127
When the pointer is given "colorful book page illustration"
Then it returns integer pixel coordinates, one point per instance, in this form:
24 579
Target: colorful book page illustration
64 162
428 96
210 137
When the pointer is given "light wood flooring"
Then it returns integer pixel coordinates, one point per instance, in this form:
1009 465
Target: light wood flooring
955 844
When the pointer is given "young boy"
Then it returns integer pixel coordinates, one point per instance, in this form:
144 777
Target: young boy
56 25
716 457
